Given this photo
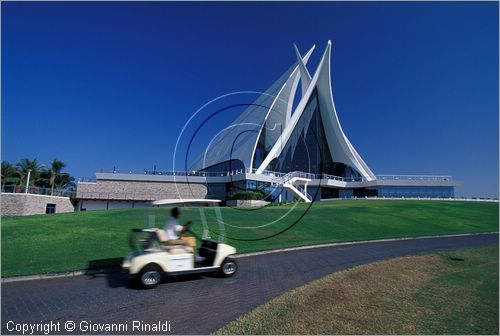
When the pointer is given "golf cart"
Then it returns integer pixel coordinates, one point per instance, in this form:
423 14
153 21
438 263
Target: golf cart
153 255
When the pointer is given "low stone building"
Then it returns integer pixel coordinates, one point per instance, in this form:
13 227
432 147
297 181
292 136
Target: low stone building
18 204
115 190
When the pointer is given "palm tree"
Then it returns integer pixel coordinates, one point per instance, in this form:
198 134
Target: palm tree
26 165
55 175
65 181
10 175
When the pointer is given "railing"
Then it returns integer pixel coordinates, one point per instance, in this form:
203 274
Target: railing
266 172
342 179
287 177
415 177
302 190
180 173
310 176
173 173
87 180
280 175
12 189
302 175
273 174
191 173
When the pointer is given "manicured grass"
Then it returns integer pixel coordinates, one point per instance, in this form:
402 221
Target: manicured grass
75 241
427 294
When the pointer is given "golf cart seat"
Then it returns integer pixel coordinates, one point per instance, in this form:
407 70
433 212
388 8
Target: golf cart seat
172 246
162 236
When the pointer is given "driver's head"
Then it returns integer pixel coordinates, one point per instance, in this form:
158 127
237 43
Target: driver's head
175 212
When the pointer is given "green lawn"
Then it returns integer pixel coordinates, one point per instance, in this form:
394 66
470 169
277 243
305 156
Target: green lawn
452 292
67 242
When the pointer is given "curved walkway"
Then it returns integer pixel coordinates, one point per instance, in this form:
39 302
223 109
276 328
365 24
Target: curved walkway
199 304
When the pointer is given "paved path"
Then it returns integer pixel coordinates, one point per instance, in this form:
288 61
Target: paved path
197 305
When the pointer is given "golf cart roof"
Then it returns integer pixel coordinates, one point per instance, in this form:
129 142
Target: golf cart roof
199 201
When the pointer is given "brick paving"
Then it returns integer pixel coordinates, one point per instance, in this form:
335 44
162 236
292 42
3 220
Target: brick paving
197 304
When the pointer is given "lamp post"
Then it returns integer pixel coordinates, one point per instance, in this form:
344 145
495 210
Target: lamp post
28 181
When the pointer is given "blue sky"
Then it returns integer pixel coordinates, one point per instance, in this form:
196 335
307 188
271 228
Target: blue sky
99 85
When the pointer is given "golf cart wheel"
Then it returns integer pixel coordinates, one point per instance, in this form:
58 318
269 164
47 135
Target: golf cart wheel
228 267
150 276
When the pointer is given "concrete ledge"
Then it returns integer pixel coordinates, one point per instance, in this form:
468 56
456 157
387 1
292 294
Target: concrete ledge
59 275
246 203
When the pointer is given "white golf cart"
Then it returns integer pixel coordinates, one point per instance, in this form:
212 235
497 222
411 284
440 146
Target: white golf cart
153 256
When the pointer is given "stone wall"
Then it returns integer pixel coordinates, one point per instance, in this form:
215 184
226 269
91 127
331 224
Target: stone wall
30 204
139 190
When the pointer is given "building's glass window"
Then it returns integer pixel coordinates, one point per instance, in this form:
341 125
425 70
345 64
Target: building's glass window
414 192
50 208
329 193
365 192
216 190
226 166
260 150
307 148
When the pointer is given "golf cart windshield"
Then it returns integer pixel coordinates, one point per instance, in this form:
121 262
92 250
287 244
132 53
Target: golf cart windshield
142 239
202 205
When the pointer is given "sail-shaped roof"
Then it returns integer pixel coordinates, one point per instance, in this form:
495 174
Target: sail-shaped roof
269 131
267 115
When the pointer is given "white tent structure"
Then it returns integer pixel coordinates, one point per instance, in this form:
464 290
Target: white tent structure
287 142
271 135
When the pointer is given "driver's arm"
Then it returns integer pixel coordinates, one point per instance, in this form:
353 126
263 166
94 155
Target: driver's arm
186 226
183 228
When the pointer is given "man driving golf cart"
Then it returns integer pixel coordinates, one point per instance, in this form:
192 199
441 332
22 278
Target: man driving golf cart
173 229
154 255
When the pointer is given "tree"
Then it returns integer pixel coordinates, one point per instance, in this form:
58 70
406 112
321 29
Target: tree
65 181
55 174
10 175
45 176
53 177
24 166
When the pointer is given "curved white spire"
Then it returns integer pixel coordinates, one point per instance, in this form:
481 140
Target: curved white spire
305 77
341 149
280 111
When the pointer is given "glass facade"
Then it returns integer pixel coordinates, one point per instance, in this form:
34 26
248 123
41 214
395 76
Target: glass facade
415 192
226 166
307 149
389 192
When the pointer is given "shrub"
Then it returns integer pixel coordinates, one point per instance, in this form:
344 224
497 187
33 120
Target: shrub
247 195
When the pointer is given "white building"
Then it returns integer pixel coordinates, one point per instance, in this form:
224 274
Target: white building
284 150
